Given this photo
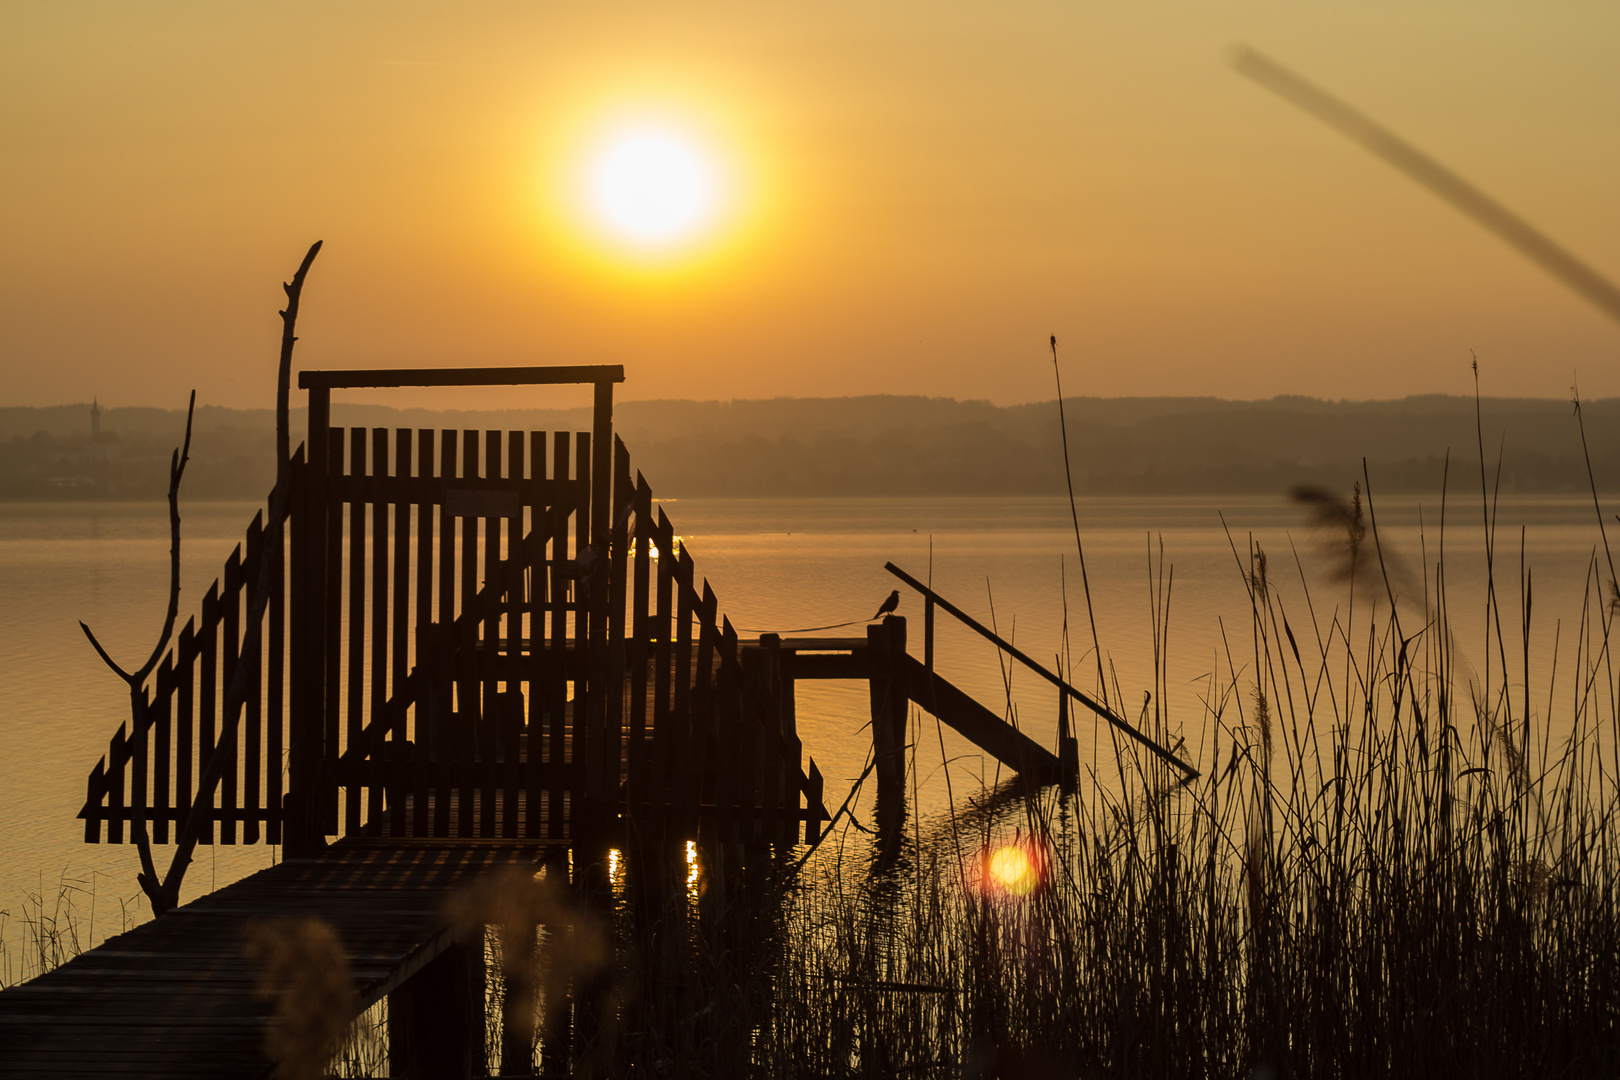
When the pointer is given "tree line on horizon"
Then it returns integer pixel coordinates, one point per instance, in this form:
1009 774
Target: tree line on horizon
886 445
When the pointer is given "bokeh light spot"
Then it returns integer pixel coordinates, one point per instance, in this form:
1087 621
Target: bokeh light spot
1015 869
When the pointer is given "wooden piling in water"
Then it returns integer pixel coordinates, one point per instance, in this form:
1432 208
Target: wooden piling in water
890 701
436 1018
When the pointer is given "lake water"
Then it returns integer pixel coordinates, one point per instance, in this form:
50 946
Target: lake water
775 565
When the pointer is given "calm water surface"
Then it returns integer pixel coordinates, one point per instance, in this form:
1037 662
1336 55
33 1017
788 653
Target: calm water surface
776 565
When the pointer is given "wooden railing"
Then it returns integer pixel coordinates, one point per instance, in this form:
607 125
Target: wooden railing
1066 692
453 628
156 760
709 722
458 653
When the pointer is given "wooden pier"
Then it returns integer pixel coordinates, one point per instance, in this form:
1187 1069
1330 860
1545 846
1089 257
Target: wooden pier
479 650
176 997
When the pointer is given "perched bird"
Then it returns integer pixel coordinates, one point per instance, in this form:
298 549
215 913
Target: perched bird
888 605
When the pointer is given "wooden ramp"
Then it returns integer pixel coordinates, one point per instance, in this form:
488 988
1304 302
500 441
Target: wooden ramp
176 996
979 725
897 678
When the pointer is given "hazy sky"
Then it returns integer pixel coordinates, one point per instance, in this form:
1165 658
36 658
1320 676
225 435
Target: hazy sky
910 196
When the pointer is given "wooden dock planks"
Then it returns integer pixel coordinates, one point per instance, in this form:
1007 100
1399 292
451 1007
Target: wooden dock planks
176 996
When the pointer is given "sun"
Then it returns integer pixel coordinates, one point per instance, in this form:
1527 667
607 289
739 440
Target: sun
653 185
654 189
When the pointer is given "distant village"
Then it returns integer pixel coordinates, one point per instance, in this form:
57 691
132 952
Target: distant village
70 465
79 453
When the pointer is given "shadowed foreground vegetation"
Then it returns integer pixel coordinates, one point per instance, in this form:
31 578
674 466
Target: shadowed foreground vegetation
1393 864
1401 859
1395 867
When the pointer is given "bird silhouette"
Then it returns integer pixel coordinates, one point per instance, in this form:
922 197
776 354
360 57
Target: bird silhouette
888 605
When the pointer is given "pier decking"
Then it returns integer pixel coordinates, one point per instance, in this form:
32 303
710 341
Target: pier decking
176 997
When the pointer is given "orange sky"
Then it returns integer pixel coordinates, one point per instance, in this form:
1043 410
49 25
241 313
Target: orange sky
926 190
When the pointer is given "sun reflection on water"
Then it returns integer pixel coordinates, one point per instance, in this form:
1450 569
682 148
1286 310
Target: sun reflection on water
1013 870
652 549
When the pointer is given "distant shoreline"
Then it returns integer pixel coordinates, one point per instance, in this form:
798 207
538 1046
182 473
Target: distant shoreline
889 446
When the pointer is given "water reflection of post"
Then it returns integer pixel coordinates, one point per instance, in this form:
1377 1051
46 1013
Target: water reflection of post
659 889
557 1030
595 1031
436 1017
885 650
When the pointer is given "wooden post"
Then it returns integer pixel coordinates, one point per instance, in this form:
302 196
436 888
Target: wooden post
595 815
302 833
1068 745
928 634
601 465
886 644
740 775
436 1019
557 1020
780 773
593 1006
814 815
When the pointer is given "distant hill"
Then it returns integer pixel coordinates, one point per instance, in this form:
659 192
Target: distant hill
888 445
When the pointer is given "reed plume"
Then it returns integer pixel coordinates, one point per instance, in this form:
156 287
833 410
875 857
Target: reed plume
304 973
518 905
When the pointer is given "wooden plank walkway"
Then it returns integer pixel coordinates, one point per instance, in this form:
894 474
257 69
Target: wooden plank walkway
176 996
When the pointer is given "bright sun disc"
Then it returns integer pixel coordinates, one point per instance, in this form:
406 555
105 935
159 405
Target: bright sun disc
652 186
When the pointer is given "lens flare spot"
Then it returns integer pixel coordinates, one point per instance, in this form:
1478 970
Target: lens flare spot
1012 870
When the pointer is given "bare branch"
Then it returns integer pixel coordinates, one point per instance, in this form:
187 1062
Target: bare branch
110 662
139 712
224 755
177 470
185 448
289 321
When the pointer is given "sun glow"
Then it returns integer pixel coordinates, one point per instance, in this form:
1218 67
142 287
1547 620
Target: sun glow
654 190
653 185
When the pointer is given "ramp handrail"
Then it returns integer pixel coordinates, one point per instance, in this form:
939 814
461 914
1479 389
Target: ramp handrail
934 599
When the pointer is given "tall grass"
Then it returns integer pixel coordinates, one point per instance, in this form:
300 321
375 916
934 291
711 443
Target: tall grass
1390 866
1400 859
52 926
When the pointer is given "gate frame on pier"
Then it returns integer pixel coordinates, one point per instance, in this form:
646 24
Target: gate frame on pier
311 806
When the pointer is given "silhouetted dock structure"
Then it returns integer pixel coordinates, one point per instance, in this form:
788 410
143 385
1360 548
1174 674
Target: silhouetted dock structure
480 649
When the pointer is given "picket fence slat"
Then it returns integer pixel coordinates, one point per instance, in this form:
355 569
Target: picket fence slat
253 723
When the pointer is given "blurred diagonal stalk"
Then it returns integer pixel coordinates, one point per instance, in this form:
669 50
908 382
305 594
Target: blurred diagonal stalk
1377 139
